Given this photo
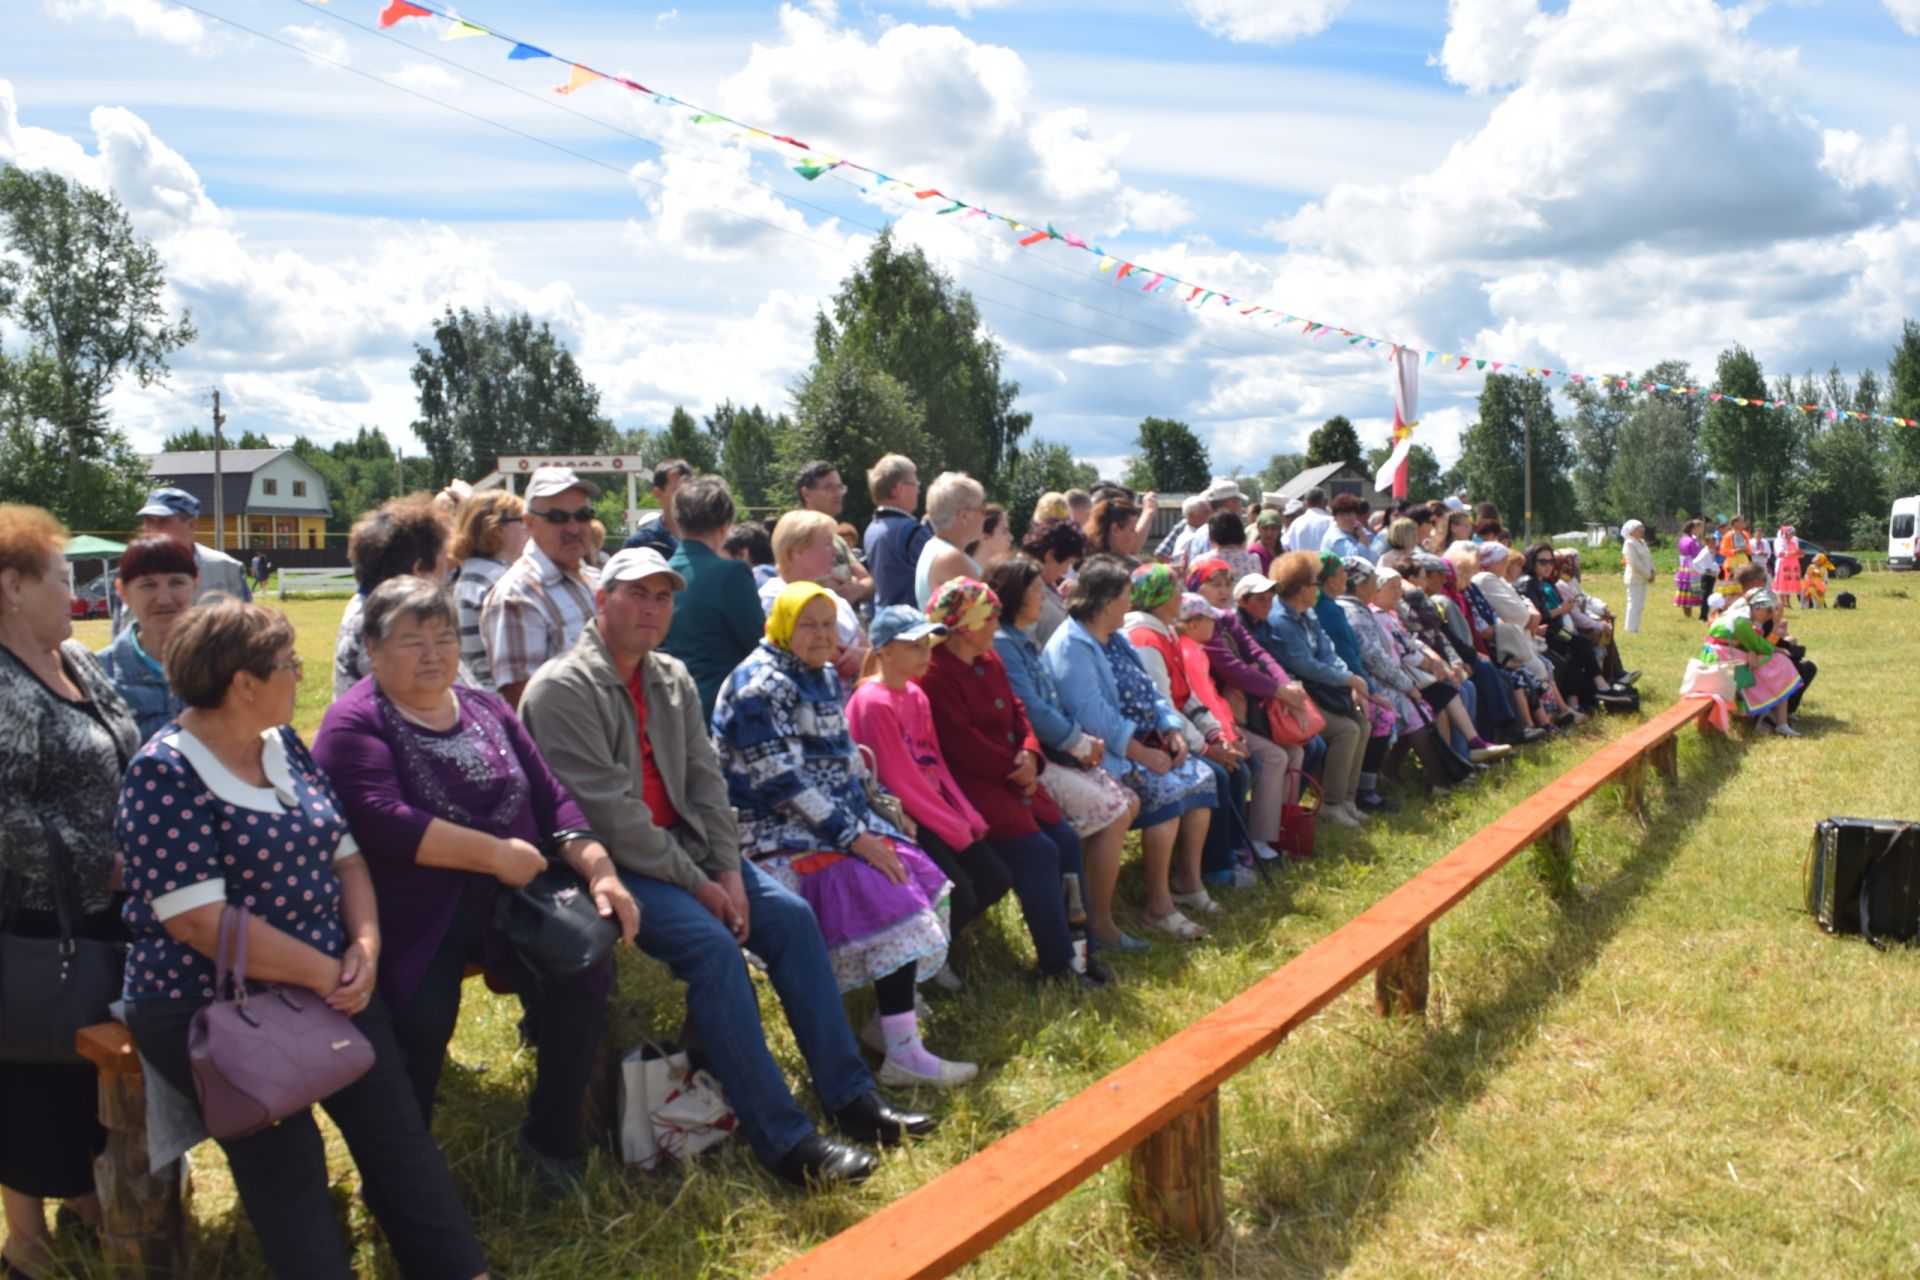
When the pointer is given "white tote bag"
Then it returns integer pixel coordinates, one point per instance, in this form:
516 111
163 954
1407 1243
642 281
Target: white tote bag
667 1108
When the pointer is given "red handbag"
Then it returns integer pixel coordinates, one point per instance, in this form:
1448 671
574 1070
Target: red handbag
1292 728
1299 819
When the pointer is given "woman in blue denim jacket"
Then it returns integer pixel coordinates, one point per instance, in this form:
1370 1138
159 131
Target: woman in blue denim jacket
156 582
1305 650
1144 748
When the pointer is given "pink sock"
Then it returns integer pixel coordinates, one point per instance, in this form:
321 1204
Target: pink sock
903 1043
1478 744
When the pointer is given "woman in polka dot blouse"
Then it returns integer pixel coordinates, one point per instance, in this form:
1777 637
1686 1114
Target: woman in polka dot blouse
224 806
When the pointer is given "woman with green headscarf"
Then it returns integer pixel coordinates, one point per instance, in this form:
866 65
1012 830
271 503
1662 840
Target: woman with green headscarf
795 778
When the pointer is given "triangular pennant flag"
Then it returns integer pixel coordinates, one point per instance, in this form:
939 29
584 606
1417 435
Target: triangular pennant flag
811 169
955 207
1479 364
579 78
1152 284
521 52
928 194
1462 364
1124 268
398 9
464 31
1496 366
709 117
1035 238
1108 264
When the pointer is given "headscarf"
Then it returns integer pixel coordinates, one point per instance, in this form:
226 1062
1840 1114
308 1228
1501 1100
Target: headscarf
1206 569
1762 599
1330 564
1492 555
1626 530
964 604
1359 569
785 613
1270 519
1153 585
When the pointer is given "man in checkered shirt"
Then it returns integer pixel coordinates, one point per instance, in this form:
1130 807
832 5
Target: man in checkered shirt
542 601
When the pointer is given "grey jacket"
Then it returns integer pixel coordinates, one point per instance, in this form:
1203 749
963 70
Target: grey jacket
580 713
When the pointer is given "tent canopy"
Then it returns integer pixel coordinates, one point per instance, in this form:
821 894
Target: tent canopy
87 547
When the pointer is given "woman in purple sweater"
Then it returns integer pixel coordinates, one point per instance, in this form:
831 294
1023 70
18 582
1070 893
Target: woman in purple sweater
449 799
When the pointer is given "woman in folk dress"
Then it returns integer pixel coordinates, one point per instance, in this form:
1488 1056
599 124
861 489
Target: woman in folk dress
1686 580
1736 549
1786 566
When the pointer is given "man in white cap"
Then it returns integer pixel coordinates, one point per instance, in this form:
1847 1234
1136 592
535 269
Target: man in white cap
175 513
1196 511
619 722
542 601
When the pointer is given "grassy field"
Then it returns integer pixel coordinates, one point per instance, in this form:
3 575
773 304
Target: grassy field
1671 1073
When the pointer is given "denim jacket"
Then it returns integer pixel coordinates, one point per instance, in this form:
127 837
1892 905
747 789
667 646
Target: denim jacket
1304 649
137 677
1089 692
1034 685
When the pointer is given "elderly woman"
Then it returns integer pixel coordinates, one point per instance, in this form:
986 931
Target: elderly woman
1056 546
252 822
1477 682
999 762
1105 688
1528 677
804 547
405 535
956 512
1394 686
796 781
450 800
489 533
156 581
1303 648
68 736
1091 800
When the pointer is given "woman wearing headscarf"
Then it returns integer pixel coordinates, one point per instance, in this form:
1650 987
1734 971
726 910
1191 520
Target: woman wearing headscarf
1394 685
1742 671
795 778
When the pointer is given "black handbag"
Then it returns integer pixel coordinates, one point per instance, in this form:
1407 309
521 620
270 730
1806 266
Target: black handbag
1863 876
552 922
52 987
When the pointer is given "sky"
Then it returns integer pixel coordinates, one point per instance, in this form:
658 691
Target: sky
1592 185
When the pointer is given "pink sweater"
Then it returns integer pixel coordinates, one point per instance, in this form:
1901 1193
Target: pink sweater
897 726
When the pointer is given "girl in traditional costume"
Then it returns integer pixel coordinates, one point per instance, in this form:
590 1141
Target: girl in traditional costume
1741 671
1786 566
1736 549
1815 595
1686 579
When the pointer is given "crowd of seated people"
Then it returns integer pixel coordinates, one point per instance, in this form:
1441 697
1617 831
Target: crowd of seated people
831 757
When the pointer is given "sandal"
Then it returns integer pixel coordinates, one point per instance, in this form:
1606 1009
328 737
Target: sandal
1199 900
1176 925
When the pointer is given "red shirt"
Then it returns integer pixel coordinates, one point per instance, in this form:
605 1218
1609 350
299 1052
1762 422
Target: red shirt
653 788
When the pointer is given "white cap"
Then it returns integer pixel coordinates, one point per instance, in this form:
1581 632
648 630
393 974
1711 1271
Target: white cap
1223 491
630 564
546 482
1252 585
1294 507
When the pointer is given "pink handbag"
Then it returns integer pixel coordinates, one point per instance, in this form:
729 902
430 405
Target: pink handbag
260 1057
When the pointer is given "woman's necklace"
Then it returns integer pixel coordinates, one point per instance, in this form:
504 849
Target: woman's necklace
448 703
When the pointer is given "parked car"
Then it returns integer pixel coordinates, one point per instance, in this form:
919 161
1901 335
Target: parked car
1844 565
90 599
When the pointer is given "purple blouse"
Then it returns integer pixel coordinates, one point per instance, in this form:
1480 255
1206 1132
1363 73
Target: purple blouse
394 777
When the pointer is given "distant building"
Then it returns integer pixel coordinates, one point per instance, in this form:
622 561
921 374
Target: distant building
270 497
1336 478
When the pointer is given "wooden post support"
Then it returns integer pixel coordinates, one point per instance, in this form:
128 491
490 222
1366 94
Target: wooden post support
1176 1176
1553 858
1634 781
143 1221
1400 983
1666 757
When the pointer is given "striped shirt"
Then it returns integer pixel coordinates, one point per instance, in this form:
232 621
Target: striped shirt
534 612
477 576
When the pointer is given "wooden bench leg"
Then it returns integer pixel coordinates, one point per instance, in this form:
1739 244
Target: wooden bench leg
1400 983
143 1220
1634 781
1666 758
1553 858
1176 1176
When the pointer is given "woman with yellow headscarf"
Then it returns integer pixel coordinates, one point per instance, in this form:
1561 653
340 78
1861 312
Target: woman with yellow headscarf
807 819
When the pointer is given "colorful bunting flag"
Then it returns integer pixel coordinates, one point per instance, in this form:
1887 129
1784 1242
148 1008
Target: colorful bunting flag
464 31
579 78
521 52
399 9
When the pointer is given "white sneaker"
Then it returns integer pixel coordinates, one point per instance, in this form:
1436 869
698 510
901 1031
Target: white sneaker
1199 900
1265 852
1492 751
1788 731
946 979
1340 814
951 1075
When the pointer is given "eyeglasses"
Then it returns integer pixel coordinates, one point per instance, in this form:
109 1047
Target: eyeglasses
583 516
296 664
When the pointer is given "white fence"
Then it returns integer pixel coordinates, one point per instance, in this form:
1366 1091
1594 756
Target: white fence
316 582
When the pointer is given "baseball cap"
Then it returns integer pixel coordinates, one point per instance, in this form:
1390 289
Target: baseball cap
1252 584
1223 491
902 622
545 482
1294 507
170 502
630 564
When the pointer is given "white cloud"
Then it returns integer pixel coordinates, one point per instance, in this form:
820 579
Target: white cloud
152 18
325 44
1156 210
1488 42
967 8
1265 21
662 19
424 77
1907 14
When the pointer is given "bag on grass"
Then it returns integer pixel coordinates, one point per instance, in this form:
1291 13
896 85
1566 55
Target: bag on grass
1845 600
1863 876
1301 818
667 1108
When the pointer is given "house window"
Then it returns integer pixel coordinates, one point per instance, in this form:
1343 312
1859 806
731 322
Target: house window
299 488
269 487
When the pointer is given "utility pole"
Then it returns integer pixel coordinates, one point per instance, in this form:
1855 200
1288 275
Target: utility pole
219 498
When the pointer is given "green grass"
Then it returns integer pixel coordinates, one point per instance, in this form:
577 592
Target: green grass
1672 1072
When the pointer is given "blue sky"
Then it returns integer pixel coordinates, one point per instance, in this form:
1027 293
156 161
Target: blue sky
1594 184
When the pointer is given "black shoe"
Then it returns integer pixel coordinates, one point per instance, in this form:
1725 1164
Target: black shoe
1531 735
556 1180
871 1118
1374 802
1097 973
819 1162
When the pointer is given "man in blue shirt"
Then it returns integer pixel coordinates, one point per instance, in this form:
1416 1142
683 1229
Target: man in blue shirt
893 540
1348 536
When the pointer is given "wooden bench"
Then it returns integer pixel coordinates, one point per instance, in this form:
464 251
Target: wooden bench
143 1221
1163 1107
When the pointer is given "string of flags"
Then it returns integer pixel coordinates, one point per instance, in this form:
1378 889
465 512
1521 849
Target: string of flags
811 164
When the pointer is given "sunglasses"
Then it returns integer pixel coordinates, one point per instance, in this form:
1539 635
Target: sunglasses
583 516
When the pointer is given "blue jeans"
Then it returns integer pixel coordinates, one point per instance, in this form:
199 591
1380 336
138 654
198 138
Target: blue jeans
1495 711
1229 829
676 929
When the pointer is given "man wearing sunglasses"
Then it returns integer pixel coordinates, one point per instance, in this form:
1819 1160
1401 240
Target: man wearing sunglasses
542 601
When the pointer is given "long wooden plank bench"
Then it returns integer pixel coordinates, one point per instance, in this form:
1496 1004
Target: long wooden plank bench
1163 1106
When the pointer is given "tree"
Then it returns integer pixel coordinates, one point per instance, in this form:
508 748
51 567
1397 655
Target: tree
1655 475
685 439
1599 414
196 440
86 294
362 473
1171 458
1424 472
1903 401
493 384
749 453
33 454
1749 445
844 407
1280 468
900 316
1037 467
1334 440
1493 455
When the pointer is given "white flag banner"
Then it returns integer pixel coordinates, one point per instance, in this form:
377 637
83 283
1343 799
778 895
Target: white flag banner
1406 416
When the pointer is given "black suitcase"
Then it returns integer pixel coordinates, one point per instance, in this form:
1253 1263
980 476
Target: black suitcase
1863 876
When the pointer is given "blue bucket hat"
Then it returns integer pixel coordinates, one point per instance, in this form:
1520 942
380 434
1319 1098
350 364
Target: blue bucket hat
170 502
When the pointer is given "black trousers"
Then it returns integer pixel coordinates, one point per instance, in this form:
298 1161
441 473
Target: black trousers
1797 655
564 1021
281 1172
979 877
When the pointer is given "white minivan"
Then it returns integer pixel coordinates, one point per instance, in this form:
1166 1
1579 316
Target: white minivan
1900 532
